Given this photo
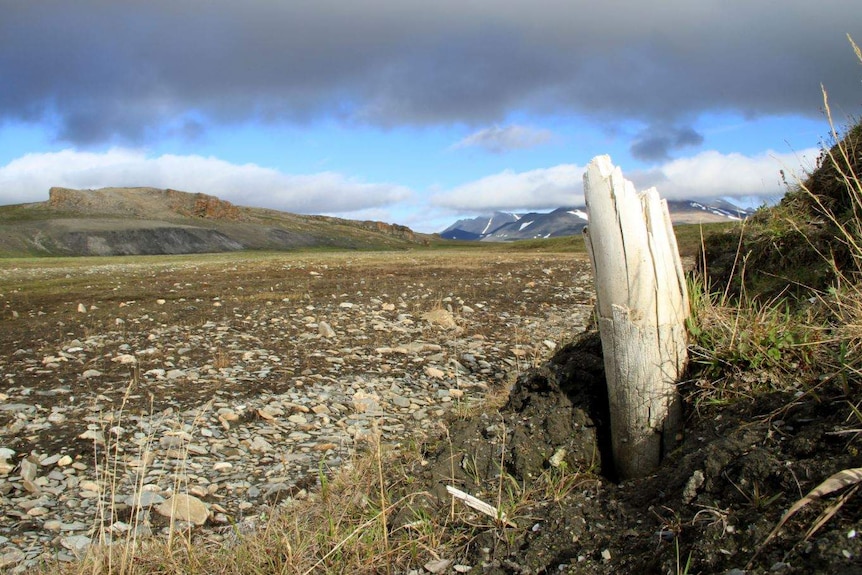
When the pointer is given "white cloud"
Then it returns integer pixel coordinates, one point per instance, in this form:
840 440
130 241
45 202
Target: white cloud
540 189
705 175
27 179
711 174
499 139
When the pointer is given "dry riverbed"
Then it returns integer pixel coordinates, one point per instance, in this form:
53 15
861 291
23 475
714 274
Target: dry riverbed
205 389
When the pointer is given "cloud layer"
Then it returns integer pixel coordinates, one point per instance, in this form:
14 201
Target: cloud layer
247 185
128 72
706 175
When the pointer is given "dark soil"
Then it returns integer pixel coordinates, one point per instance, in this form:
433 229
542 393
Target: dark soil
708 509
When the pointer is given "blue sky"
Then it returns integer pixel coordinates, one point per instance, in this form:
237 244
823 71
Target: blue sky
413 112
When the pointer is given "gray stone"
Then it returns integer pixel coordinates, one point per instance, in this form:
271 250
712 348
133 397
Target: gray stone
29 469
76 543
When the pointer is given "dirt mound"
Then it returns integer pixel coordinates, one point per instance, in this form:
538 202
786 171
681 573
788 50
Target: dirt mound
712 502
799 244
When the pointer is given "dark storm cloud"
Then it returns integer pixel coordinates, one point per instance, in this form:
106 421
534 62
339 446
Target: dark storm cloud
102 70
657 142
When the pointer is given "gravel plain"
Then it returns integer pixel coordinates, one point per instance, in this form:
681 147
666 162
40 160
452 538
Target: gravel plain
142 394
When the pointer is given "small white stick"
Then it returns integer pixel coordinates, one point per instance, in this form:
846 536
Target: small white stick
480 506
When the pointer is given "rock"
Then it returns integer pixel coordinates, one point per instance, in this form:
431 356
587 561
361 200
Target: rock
401 401
6 466
57 418
695 482
76 543
440 317
94 435
11 558
606 555
365 402
325 330
88 485
227 414
260 445
438 566
184 507
434 372
144 499
559 456
91 373
51 460
28 469
125 359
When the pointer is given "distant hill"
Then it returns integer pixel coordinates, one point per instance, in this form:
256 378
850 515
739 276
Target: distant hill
503 226
127 221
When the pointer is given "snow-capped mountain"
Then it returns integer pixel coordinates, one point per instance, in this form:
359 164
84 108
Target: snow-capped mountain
477 228
560 222
502 226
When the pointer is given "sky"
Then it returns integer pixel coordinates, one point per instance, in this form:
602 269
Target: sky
415 112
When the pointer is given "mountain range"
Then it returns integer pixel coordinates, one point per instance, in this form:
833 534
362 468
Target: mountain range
505 226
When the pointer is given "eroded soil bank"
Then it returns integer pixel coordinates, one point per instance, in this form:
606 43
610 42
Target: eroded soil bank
708 509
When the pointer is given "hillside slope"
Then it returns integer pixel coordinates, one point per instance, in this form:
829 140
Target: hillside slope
130 221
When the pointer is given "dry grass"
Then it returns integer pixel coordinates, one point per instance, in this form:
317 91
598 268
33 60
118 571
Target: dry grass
813 323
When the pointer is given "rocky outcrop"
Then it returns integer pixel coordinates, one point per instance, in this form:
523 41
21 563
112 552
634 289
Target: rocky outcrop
203 206
142 202
395 230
